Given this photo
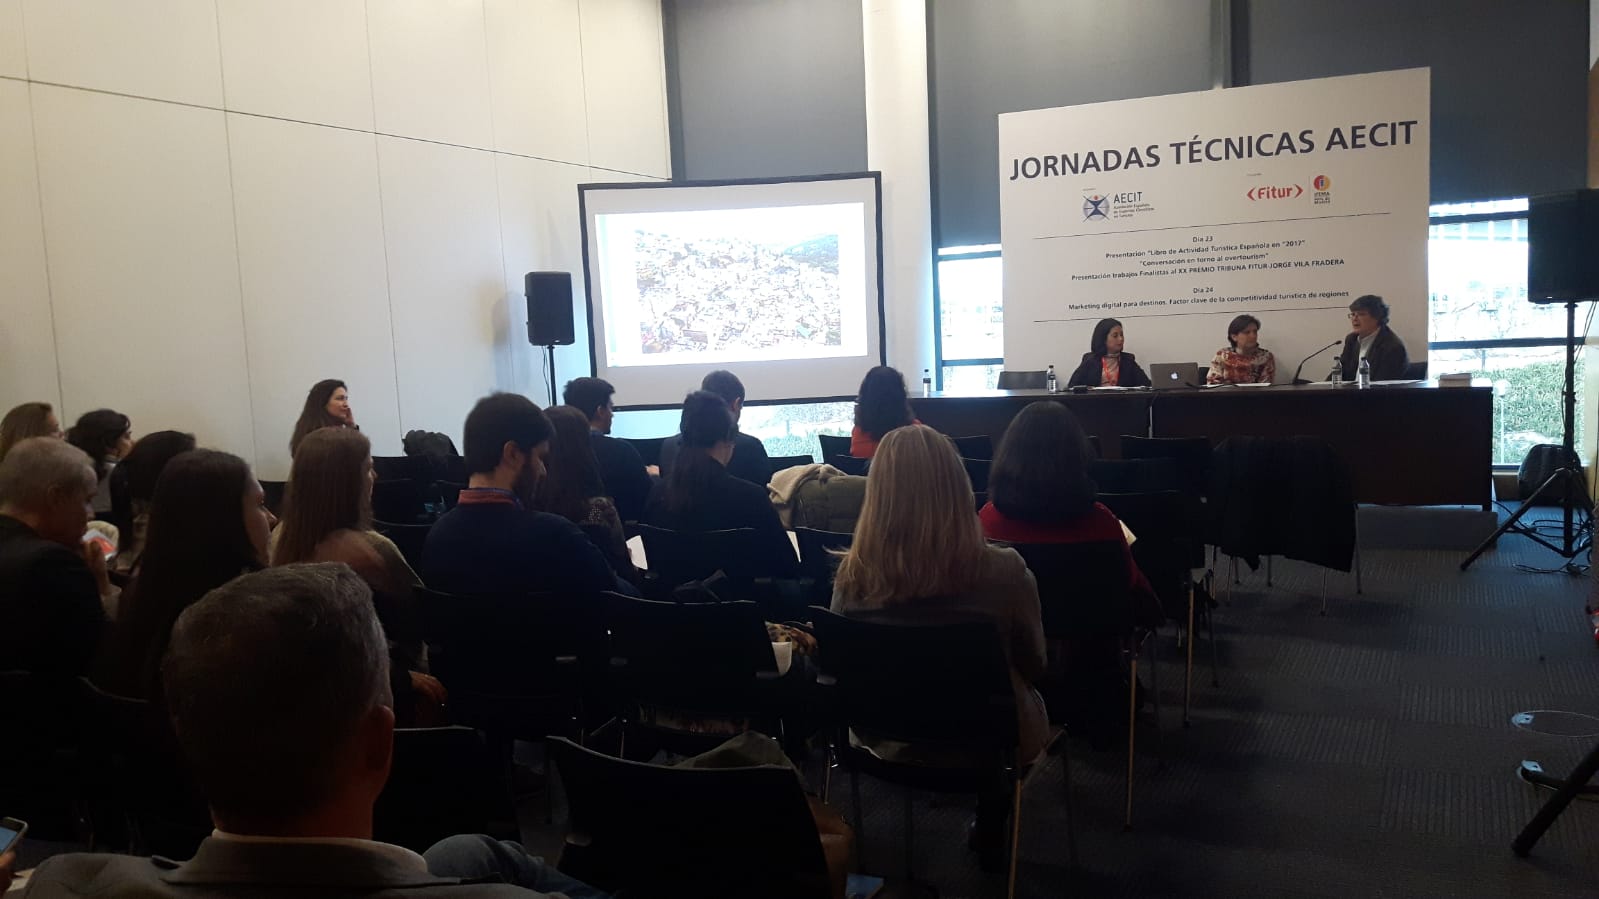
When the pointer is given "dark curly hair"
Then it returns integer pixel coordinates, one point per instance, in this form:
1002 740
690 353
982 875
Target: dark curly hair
882 404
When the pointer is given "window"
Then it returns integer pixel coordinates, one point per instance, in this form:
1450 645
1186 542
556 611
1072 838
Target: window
971 323
786 430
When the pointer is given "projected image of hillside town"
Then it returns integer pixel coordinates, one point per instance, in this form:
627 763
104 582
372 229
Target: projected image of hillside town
710 293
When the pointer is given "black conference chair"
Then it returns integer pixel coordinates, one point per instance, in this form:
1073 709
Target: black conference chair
649 448
833 445
945 690
449 492
691 674
977 471
849 464
1135 475
408 538
1416 371
1023 380
656 830
403 501
274 491
442 781
403 468
817 563
779 463
980 446
1191 455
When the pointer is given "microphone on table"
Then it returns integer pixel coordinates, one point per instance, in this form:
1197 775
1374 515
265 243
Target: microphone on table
1299 380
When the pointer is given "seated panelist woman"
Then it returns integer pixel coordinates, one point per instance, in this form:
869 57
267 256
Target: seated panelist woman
1243 360
1105 365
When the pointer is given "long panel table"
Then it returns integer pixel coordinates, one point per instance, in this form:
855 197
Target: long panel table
1406 444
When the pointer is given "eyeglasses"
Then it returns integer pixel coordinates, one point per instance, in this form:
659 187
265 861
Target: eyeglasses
1353 316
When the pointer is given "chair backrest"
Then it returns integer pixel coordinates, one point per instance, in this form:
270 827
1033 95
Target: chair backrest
1023 380
652 830
833 445
403 501
977 471
816 562
1164 548
1135 475
273 491
515 663
780 463
408 538
450 492
944 685
1416 371
978 446
1191 455
1082 587
442 781
849 464
677 557
649 448
403 468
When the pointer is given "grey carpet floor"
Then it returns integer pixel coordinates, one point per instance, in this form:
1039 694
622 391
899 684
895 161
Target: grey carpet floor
1366 753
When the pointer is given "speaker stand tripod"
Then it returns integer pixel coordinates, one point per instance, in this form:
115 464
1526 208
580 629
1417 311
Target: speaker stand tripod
1576 533
549 350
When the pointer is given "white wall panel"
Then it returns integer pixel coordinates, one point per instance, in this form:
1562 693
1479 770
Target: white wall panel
27 339
144 278
538 212
430 76
536 78
316 300
624 77
446 280
297 59
166 50
13 53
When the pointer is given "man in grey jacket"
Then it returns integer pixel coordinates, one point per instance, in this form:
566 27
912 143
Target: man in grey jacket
278 689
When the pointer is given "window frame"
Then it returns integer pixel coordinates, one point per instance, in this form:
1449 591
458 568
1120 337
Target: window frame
955 254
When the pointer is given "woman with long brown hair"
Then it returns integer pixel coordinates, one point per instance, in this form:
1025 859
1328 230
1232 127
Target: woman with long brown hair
327 405
28 420
881 406
919 558
572 489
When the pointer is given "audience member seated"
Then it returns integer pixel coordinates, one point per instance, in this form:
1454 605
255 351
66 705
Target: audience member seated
749 462
327 517
107 436
881 406
700 494
622 470
28 420
572 489
919 558
326 406
279 698
208 525
493 541
1243 360
1105 365
133 487
51 582
1039 491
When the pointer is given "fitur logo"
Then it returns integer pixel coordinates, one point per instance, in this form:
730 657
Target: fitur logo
1323 188
1095 208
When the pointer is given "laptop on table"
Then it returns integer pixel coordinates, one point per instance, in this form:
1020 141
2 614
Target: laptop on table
1175 375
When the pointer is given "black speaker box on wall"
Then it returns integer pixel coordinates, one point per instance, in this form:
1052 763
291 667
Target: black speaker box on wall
1562 234
549 308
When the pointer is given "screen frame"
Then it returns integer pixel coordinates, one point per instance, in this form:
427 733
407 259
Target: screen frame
588 281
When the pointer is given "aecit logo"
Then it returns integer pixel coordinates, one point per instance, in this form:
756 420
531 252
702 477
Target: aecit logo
1275 193
1095 208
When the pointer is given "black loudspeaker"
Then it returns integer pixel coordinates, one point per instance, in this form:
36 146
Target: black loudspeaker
549 308
1562 232
1541 462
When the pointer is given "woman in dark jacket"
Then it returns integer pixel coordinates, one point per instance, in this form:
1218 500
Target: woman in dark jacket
1105 365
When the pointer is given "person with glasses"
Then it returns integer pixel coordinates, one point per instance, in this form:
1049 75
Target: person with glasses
1372 340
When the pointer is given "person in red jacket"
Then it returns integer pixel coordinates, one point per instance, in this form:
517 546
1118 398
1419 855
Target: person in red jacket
881 406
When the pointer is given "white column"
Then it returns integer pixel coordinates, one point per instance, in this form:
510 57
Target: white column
897 145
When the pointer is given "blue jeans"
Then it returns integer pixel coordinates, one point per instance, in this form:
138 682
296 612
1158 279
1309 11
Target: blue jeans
475 856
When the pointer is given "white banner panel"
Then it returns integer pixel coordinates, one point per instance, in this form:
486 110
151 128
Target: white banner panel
1174 214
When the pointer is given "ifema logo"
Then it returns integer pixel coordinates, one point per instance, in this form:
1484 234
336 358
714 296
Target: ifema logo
1096 208
1322 187
1321 182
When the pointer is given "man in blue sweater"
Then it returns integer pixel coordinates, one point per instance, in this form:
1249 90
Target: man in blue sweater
492 541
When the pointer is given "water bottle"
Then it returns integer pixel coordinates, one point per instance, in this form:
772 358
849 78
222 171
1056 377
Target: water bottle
1337 376
927 382
1050 382
1363 374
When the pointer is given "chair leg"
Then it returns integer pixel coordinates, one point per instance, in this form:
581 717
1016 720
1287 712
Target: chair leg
910 845
1210 627
1066 777
1132 730
1188 668
827 774
1015 835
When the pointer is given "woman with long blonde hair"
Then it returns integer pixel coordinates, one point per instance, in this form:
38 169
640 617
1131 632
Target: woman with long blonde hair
919 558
